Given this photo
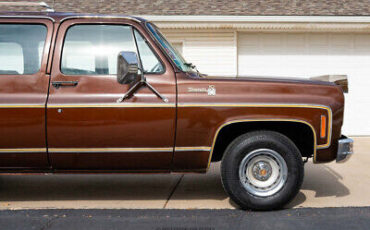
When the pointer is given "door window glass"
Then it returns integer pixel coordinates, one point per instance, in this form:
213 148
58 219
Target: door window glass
149 60
93 49
21 48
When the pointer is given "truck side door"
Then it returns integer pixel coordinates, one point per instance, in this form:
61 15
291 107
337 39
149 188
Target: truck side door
24 48
87 127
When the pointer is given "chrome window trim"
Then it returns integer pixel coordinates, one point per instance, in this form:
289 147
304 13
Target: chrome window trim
27 17
100 17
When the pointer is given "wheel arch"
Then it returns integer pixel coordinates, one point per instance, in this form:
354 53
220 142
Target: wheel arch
299 131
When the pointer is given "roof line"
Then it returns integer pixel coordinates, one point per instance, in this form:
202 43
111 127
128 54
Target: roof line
228 18
28 16
100 16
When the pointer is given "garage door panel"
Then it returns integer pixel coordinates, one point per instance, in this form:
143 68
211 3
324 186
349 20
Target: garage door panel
248 39
313 54
212 52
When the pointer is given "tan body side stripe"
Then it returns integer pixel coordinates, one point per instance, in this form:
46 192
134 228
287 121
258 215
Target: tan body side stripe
23 150
116 105
252 120
20 106
328 109
108 150
200 148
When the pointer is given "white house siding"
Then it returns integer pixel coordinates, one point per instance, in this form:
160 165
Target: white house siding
313 54
213 52
231 53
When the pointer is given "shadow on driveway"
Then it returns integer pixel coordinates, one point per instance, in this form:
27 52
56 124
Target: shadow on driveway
320 179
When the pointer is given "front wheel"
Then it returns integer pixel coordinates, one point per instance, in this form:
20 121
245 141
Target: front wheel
262 170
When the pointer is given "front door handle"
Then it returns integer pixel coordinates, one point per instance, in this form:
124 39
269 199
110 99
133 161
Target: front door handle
58 84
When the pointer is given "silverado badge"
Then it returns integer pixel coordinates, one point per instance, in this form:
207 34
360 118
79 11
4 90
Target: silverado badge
211 90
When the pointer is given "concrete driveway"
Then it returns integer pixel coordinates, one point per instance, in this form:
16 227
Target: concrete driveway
325 185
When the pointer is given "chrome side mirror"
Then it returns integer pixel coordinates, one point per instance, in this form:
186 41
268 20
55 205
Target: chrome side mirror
128 73
127 67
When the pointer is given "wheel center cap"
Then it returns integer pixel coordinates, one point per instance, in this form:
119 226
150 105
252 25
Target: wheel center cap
262 170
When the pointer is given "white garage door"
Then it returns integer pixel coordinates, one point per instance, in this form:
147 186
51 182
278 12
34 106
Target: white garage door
213 52
312 54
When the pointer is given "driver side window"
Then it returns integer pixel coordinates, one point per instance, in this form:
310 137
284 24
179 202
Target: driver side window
93 49
149 60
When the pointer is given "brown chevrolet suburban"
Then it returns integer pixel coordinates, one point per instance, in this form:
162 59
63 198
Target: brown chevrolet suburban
84 93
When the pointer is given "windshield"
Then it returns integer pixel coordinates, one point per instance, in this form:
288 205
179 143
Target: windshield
172 52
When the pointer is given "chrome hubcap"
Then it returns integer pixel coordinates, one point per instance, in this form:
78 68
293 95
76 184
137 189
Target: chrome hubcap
263 172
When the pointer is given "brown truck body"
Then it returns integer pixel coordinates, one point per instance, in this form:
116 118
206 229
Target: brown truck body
84 129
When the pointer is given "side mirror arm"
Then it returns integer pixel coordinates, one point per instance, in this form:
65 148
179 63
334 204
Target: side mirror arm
137 86
155 92
130 92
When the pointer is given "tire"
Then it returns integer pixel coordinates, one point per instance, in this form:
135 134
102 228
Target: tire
262 170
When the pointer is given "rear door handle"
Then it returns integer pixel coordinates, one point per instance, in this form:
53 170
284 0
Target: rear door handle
58 84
